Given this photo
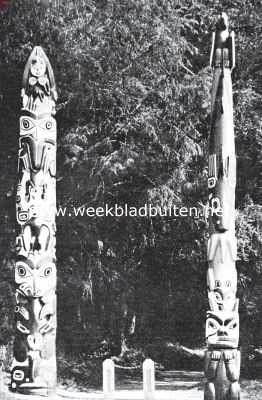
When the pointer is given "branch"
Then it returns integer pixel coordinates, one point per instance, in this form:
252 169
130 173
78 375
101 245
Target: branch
200 353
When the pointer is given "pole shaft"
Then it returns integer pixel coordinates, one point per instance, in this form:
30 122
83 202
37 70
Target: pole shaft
222 362
34 363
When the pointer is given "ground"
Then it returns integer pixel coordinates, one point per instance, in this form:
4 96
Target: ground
170 385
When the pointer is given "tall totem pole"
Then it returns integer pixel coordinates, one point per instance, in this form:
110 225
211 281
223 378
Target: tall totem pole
222 360
34 363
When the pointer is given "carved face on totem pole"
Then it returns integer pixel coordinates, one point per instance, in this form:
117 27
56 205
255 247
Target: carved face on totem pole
35 276
222 286
38 66
34 364
36 168
35 314
222 274
222 299
222 329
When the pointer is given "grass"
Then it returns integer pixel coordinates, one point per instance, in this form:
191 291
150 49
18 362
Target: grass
251 389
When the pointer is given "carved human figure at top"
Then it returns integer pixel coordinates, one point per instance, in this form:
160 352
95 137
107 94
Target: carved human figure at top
223 51
38 93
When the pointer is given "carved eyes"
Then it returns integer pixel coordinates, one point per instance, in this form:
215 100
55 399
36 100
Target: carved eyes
26 124
218 297
21 271
233 326
221 298
48 125
212 324
24 273
227 324
48 271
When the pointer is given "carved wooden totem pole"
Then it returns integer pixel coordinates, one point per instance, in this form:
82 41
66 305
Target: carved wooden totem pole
222 360
34 364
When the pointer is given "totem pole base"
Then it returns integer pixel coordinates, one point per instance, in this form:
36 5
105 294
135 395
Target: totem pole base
222 368
35 391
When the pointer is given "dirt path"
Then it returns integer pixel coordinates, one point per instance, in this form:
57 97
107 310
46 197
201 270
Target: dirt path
170 385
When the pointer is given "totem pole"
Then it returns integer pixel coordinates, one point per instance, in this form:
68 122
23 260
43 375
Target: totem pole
222 359
33 369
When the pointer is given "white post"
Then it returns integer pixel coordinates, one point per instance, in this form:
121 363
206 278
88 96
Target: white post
109 379
149 379
4 392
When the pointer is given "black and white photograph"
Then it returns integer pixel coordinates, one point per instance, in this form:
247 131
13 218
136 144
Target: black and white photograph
130 199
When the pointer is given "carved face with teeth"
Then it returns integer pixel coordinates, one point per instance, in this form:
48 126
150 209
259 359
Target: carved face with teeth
222 329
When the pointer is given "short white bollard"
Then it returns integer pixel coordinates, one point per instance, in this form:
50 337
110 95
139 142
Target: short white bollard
1 381
109 379
149 379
